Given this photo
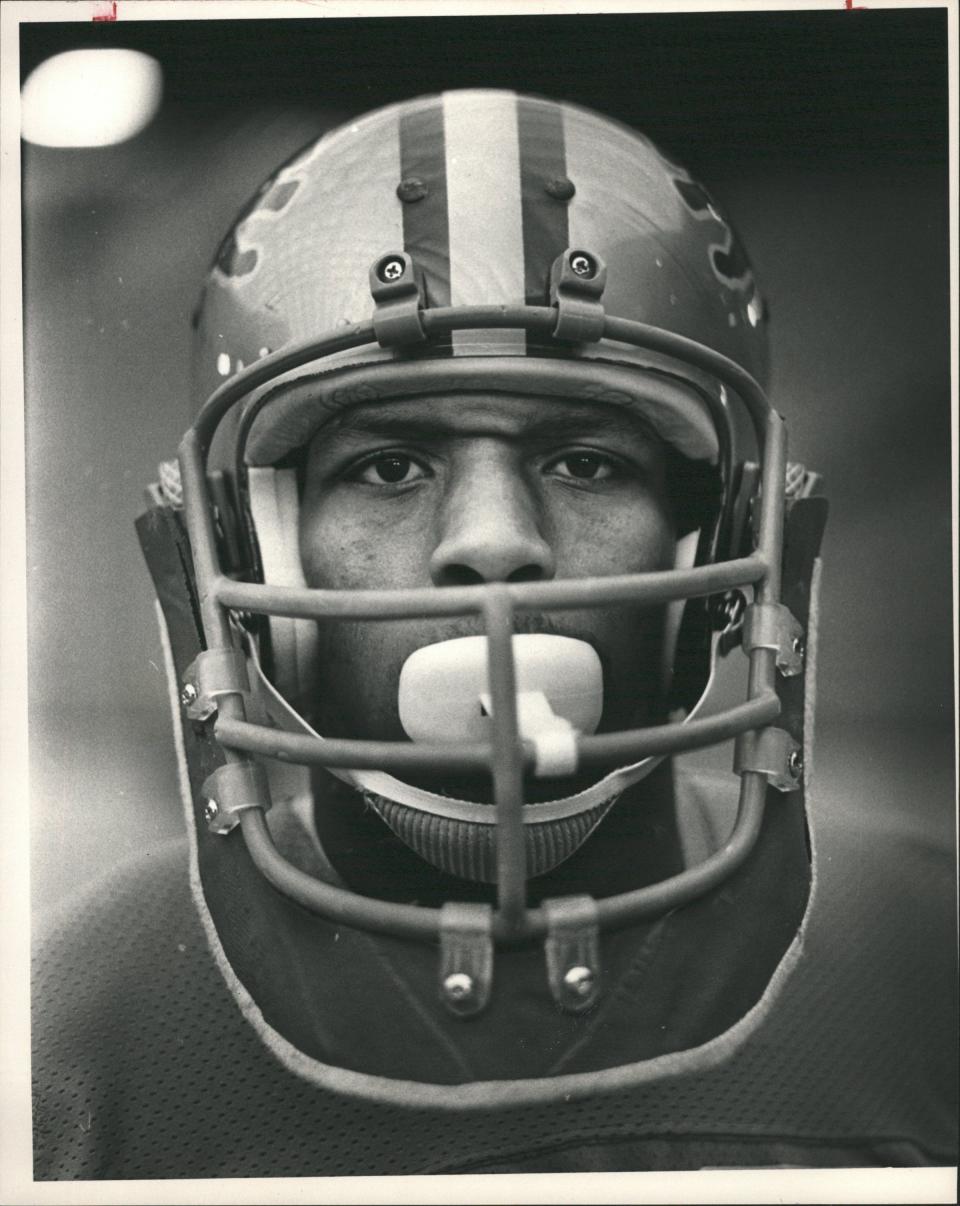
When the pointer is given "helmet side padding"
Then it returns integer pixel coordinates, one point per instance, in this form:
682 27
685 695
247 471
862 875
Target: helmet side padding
275 510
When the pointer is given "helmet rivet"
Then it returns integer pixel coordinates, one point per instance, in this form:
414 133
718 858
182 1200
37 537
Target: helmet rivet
798 646
458 986
582 264
561 188
211 810
188 695
391 269
412 188
579 980
795 762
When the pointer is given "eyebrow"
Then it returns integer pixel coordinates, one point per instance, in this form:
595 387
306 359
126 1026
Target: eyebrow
562 425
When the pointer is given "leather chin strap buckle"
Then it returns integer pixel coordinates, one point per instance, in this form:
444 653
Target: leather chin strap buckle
572 949
466 957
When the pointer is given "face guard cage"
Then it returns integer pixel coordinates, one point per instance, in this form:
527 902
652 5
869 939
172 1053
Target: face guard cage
237 794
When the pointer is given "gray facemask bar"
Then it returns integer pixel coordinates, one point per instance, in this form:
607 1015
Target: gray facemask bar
765 753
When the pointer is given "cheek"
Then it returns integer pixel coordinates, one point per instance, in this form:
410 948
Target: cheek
347 546
621 538
360 667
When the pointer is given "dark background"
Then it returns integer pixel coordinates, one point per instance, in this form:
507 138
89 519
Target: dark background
823 134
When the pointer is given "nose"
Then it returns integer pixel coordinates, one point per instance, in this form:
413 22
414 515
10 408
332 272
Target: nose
490 528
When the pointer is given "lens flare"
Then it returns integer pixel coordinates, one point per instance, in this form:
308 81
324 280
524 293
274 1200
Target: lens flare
90 98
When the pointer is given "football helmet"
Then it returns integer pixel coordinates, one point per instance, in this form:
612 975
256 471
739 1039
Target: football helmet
478 240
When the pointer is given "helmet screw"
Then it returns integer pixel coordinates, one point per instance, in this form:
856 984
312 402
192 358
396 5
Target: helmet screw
795 763
458 986
798 646
733 607
582 264
561 188
579 980
188 695
411 188
211 810
391 269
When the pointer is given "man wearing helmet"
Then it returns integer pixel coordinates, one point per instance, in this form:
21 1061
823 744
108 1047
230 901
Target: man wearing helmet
484 481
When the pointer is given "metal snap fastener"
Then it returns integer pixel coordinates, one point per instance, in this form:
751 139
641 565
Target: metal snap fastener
188 695
795 763
211 810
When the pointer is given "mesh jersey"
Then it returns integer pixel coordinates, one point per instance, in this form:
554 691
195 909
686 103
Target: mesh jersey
144 1066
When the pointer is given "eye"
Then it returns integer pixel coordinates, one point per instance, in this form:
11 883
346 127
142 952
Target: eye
583 466
388 469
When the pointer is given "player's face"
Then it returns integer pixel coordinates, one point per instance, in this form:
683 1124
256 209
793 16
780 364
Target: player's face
475 488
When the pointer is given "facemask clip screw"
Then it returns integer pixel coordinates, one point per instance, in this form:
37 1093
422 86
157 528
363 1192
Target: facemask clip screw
583 265
579 980
458 986
390 270
466 957
572 950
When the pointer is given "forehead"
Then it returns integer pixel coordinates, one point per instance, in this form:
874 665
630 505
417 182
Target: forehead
467 415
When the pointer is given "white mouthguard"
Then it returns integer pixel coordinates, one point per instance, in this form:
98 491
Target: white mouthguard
444 694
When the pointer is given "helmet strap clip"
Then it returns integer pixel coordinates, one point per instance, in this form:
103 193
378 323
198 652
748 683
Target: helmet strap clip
773 626
232 789
466 957
772 752
577 281
572 949
212 674
397 290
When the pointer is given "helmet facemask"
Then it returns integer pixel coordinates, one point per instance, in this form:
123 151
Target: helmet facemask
438 813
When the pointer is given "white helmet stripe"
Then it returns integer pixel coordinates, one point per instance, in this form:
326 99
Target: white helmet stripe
483 207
